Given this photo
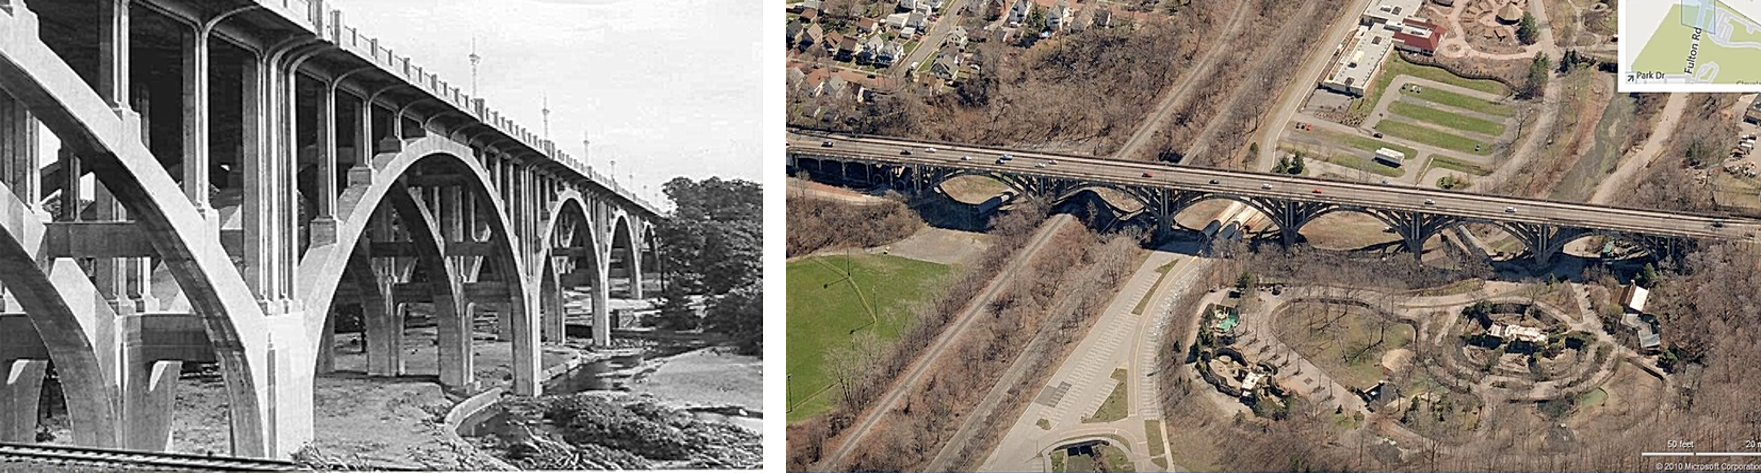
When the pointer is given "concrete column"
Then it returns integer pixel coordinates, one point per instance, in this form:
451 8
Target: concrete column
253 162
324 224
635 260
22 387
525 350
195 124
110 274
70 186
362 172
113 49
149 396
553 315
380 313
289 397
454 320
601 303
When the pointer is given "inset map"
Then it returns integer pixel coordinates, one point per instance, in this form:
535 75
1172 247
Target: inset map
1690 46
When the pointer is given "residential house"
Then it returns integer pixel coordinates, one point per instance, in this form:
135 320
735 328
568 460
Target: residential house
1103 18
1057 16
814 81
810 37
1018 12
865 25
908 32
907 5
1632 298
814 4
925 8
917 21
947 64
957 37
794 32
847 48
934 4
893 51
897 20
831 42
796 75
871 50
810 15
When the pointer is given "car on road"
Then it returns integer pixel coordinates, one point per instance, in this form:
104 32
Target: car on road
825 144
1001 161
1717 224
905 152
965 158
1005 157
1039 165
1147 175
1317 190
1510 210
1266 186
929 150
1053 162
1385 182
1214 182
1430 202
1378 135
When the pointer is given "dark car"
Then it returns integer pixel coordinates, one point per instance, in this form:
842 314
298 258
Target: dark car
826 144
1147 175
905 152
1214 182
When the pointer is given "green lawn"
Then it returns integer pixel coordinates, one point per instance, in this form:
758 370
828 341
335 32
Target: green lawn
1114 407
1153 429
1115 458
1447 119
1370 144
1462 101
1456 164
824 312
1593 398
1433 137
1349 348
1396 67
1145 302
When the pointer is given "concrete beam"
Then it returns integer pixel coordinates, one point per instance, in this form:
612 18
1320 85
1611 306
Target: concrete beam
116 239
404 249
165 336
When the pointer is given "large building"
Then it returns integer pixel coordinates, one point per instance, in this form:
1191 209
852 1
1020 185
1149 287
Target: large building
1385 25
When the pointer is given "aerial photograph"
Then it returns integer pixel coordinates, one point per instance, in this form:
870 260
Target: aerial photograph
1268 235
380 235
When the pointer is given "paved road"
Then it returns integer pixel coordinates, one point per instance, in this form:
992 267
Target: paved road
1293 188
1158 118
903 385
931 42
1115 341
1306 79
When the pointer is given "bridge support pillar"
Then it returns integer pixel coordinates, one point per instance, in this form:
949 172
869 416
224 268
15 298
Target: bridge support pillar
525 350
601 291
551 294
453 322
327 346
149 396
384 323
19 392
288 405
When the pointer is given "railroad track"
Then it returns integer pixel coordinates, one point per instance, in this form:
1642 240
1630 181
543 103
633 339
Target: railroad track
135 460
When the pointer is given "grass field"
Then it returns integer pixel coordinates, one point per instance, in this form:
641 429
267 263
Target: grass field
1433 137
1115 458
1447 119
1463 102
1351 161
1145 302
825 311
1369 144
1455 164
1114 407
1153 430
1396 67
1349 349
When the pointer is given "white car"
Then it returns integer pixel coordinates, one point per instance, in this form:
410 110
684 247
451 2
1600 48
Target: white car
929 150
1053 162
1430 202
1510 210
965 158
1265 186
1039 165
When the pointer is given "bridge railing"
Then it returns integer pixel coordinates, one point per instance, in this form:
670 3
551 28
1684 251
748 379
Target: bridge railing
330 24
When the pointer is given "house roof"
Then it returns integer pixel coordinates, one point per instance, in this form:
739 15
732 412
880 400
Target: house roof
1633 297
833 38
848 44
1422 43
794 28
865 23
809 14
815 31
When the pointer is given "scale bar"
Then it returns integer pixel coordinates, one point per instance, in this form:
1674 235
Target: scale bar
1701 454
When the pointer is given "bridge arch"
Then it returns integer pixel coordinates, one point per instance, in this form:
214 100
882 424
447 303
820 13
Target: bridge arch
1179 204
570 226
627 247
321 269
90 129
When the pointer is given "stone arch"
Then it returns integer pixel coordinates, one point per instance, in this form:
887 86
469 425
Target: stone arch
217 293
321 269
